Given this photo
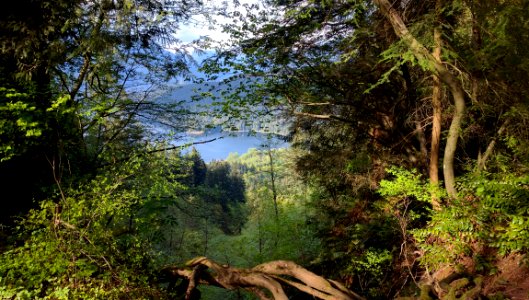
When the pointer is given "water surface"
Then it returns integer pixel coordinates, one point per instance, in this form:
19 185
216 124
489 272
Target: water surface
226 143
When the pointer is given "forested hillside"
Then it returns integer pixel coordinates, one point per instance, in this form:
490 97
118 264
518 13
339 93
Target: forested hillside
407 175
204 104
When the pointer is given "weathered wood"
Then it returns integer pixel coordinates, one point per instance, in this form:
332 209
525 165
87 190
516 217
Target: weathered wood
266 281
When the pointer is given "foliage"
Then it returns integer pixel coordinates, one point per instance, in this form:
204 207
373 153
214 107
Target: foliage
79 96
405 183
487 221
96 241
19 125
372 270
489 218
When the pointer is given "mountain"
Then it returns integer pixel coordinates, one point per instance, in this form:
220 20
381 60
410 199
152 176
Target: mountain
208 108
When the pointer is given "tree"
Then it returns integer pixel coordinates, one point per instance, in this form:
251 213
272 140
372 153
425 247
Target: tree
436 106
88 70
267 235
198 168
426 58
226 188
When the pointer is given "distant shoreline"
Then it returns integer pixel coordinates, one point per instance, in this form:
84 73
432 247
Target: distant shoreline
195 132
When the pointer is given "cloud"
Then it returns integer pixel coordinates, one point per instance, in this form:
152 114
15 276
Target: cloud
199 26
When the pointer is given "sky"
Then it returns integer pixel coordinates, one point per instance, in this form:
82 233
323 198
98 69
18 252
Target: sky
198 26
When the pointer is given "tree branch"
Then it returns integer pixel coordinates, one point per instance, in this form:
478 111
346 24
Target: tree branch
324 117
159 150
490 148
182 146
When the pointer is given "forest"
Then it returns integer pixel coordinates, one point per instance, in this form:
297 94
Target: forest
406 175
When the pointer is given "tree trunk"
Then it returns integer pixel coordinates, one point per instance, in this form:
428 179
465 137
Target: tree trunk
260 235
273 181
437 68
437 114
206 237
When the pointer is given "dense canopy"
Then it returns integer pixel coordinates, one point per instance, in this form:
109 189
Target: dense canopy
406 173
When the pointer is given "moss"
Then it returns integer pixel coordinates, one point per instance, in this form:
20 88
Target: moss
496 296
474 292
459 283
425 292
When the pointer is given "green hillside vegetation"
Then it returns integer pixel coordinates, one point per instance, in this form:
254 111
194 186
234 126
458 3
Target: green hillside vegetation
407 175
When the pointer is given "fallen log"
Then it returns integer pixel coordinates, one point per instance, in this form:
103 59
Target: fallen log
266 281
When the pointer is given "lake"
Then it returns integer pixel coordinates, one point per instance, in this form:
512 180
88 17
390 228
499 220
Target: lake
227 143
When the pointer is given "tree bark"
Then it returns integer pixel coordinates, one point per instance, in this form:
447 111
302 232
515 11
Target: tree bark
437 113
437 68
